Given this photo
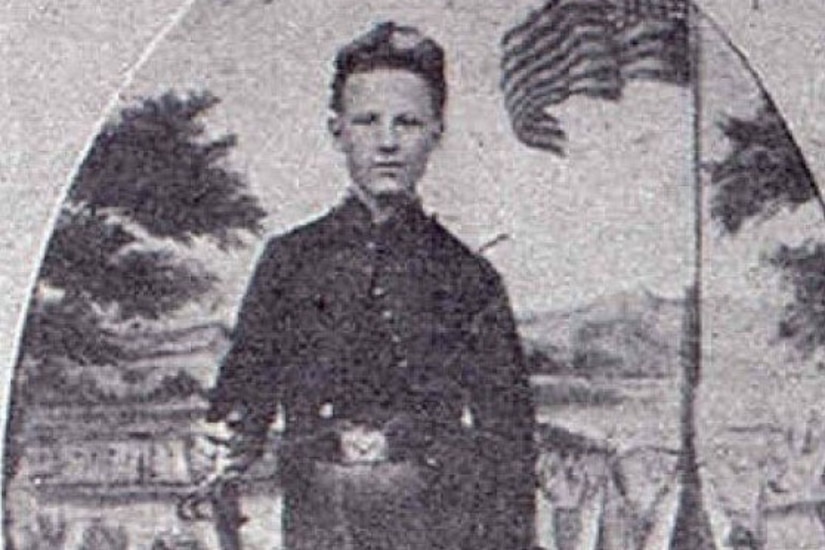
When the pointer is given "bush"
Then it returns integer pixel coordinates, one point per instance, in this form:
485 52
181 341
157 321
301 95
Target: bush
99 536
176 541
47 533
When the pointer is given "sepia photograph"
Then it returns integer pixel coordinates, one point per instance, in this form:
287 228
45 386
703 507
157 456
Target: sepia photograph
413 274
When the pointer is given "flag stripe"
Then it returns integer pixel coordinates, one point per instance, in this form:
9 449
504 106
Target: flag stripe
557 23
556 43
583 57
545 123
589 47
651 9
597 75
601 77
537 102
604 82
599 63
581 43
645 30
545 134
539 22
659 45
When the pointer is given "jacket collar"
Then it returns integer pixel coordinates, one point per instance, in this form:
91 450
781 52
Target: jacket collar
353 213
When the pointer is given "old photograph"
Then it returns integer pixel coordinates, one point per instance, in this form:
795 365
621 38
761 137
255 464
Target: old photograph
416 274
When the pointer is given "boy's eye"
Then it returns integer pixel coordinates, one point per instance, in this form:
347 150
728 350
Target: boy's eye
365 119
411 121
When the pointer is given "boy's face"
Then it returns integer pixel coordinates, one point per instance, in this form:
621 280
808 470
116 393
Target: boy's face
387 129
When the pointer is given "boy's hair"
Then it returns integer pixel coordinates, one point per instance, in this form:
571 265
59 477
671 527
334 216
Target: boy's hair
390 46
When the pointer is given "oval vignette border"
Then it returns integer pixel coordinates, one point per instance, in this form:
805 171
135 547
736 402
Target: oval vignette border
807 121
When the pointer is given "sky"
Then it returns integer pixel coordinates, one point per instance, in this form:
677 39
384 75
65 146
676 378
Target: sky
68 58
580 227
615 214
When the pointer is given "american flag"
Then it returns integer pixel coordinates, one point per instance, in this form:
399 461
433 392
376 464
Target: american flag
589 47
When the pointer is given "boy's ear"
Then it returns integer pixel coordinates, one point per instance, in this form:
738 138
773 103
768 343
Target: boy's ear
438 131
334 125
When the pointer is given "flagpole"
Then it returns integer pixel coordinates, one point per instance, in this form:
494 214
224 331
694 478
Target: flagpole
691 526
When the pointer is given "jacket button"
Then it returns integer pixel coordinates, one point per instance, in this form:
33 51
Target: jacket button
378 291
403 364
387 315
467 419
326 410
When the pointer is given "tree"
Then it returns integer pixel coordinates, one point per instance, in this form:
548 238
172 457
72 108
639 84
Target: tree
804 317
151 177
764 173
155 167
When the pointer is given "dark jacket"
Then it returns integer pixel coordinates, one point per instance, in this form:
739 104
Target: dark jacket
397 325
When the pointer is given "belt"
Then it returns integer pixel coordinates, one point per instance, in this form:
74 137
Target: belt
360 444
346 442
343 442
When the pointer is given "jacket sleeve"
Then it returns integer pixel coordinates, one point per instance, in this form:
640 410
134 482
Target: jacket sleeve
503 411
246 392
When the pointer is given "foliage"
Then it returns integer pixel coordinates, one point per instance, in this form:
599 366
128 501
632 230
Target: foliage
764 171
151 178
70 328
154 167
804 318
46 533
51 385
100 536
90 257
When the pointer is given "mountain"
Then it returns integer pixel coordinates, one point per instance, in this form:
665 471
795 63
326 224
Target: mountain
625 335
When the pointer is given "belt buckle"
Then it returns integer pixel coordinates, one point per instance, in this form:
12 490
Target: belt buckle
361 444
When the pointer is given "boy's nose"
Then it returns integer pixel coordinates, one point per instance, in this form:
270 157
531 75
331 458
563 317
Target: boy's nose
388 140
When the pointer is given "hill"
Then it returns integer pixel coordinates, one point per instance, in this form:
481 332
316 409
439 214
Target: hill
626 335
